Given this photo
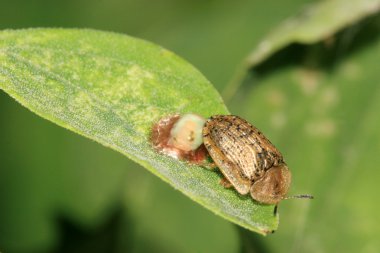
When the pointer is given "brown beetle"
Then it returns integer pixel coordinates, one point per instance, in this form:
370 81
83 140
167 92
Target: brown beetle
248 160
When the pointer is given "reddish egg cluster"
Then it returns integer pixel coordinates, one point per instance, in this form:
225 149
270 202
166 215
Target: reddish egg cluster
180 137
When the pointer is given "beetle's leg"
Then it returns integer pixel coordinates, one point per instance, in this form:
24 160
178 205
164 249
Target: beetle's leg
209 165
225 183
275 210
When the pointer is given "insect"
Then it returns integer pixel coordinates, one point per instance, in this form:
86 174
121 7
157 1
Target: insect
247 159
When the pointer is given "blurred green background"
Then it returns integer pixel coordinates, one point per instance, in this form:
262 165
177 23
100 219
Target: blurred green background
319 104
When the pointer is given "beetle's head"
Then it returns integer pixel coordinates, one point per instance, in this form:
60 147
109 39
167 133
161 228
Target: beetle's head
273 186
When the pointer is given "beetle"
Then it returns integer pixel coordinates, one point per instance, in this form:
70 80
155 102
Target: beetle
247 159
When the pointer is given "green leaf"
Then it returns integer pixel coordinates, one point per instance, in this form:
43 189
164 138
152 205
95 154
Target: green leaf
317 22
112 88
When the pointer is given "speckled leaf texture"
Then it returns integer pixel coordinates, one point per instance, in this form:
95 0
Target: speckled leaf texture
111 88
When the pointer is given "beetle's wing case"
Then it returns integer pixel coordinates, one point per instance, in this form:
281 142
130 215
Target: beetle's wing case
267 155
239 149
229 169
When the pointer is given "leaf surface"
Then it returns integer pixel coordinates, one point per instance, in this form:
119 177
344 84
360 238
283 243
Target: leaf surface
112 88
318 22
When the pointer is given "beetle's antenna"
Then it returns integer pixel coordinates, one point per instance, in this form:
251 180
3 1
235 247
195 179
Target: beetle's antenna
301 196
